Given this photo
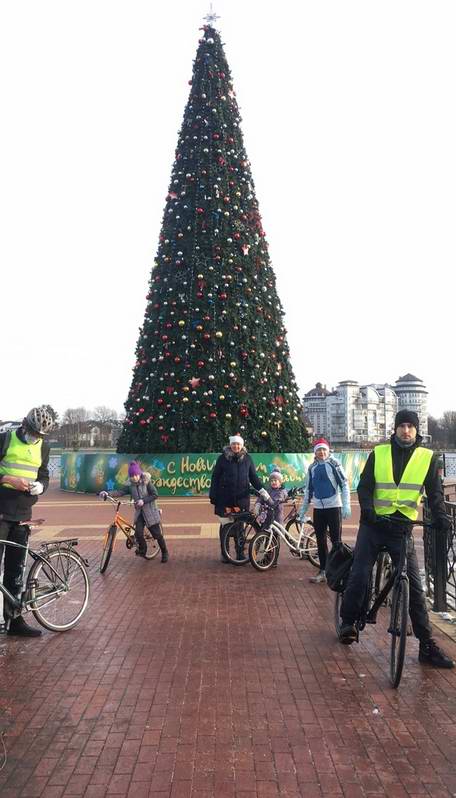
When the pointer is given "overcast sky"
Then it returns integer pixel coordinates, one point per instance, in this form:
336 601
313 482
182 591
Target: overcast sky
349 122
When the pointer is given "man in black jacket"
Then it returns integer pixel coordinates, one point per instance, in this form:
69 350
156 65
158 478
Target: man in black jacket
376 530
232 476
24 475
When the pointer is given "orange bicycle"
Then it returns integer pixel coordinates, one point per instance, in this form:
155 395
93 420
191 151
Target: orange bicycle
128 529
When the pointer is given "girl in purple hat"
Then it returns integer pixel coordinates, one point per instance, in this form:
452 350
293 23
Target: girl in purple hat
147 513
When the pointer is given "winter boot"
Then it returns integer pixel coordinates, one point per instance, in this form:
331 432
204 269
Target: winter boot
17 626
163 548
431 654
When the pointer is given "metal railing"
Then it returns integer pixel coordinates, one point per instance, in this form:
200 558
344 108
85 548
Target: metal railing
440 562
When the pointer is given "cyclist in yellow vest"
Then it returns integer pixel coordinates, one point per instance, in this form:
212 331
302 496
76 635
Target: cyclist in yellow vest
24 475
391 486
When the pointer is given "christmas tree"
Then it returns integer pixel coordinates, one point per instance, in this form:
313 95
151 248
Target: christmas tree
212 357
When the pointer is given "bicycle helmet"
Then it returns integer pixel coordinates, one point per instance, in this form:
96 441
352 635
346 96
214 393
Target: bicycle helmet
39 420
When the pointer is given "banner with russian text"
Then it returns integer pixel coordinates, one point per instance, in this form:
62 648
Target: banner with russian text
187 474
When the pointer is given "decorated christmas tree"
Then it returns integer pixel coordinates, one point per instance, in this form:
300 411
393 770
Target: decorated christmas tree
212 357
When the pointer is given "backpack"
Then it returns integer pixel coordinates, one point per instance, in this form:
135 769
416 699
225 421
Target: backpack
338 565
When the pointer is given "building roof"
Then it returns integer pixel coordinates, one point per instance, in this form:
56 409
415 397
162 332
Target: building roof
319 390
409 378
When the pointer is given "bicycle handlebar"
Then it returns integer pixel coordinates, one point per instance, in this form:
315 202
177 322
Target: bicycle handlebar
105 496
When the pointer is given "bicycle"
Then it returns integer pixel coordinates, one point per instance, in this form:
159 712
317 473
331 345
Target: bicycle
57 587
128 529
265 545
397 584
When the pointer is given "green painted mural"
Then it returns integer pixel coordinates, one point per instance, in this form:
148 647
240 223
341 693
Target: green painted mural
186 474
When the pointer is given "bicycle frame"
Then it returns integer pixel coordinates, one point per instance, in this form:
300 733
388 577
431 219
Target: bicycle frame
293 543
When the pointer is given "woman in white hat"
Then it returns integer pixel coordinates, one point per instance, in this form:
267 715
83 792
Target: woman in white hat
232 476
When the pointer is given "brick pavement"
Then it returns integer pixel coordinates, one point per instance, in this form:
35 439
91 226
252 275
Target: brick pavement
195 679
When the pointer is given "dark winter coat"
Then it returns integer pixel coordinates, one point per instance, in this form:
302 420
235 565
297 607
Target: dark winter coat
231 479
401 456
16 505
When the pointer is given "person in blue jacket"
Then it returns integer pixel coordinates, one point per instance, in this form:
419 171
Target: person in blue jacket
327 488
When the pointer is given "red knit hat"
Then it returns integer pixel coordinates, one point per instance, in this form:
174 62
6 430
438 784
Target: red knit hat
321 443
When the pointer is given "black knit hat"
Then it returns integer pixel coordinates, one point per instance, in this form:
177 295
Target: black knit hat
407 417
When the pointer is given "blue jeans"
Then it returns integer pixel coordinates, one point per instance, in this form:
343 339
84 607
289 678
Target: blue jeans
368 543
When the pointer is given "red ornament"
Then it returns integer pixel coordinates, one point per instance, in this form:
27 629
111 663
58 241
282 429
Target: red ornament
243 410
177 359
200 210
200 364
164 438
212 415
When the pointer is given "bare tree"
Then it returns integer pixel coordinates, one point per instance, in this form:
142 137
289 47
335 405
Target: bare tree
74 415
104 414
449 427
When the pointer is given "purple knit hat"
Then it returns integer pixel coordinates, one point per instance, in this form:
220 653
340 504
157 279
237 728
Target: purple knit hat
134 469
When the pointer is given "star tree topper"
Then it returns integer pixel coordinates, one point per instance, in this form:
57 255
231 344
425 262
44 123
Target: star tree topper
211 17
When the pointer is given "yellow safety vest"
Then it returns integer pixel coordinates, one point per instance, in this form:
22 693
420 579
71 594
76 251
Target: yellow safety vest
405 497
21 460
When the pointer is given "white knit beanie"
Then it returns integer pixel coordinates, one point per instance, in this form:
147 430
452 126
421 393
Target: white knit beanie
236 439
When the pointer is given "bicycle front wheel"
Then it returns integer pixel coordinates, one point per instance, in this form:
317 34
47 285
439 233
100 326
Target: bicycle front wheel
398 630
236 541
263 551
108 547
58 589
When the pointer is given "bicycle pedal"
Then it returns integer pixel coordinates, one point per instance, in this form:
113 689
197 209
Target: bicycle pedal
371 620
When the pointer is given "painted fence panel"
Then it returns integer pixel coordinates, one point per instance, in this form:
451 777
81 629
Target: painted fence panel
186 474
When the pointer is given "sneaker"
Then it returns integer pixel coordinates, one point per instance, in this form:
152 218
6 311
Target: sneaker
164 557
347 634
20 628
431 654
320 577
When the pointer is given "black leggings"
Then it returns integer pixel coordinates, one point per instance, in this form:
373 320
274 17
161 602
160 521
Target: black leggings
155 531
329 519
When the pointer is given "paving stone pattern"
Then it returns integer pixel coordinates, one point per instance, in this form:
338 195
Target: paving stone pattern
197 679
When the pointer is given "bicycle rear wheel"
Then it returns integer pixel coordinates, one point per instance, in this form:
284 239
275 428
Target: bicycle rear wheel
308 549
337 611
236 541
152 547
311 547
383 569
108 547
398 629
58 589
263 551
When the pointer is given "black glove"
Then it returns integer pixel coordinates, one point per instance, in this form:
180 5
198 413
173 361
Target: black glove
368 516
292 493
443 524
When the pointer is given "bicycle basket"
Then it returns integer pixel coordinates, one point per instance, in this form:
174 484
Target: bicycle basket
338 565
